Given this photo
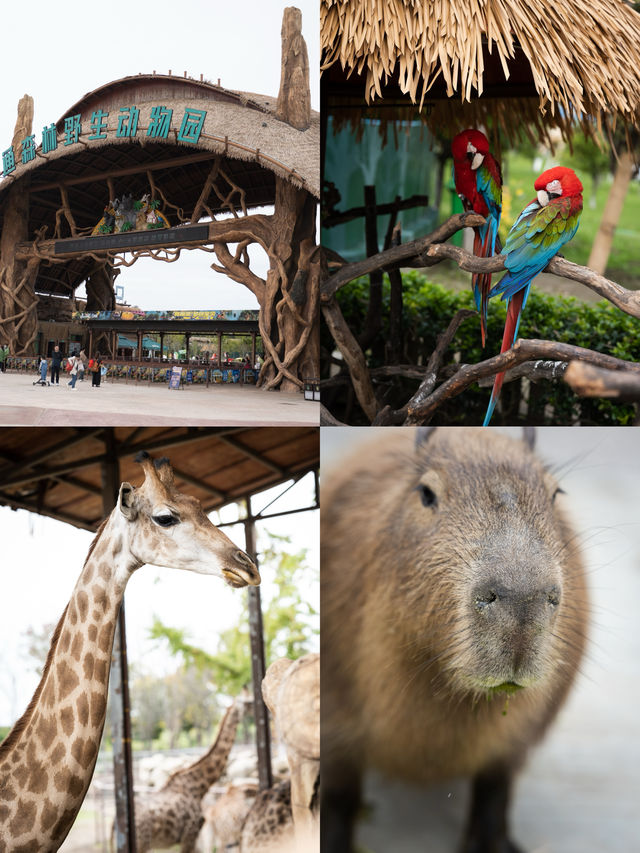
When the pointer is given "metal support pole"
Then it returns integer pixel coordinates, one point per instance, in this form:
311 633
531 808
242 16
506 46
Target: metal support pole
256 634
119 683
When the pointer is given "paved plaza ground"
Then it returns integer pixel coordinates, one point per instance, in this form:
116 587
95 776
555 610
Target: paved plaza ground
133 404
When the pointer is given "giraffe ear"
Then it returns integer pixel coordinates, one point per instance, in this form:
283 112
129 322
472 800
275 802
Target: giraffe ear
126 501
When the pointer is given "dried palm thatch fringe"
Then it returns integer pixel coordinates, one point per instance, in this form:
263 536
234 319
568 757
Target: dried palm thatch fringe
584 57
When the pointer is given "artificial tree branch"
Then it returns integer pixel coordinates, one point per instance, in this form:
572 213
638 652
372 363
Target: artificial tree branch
590 381
442 345
327 419
522 350
626 300
534 370
353 356
398 256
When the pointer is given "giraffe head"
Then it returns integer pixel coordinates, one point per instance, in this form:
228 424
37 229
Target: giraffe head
166 528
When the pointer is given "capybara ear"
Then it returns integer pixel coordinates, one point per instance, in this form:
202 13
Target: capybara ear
422 435
529 437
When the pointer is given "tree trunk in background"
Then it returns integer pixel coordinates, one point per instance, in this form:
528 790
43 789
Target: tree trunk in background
601 248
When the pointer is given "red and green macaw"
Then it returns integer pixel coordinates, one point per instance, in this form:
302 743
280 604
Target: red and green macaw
478 181
543 227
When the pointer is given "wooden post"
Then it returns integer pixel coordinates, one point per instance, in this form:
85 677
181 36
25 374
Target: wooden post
256 634
219 350
119 683
139 333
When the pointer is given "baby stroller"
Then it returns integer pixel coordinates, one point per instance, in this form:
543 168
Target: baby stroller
43 374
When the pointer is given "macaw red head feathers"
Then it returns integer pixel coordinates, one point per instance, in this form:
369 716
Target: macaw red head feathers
559 181
470 143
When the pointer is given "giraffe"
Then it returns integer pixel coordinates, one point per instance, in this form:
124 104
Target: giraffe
268 827
223 819
47 760
173 815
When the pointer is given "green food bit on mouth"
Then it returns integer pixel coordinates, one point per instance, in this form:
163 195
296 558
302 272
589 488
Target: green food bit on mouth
509 687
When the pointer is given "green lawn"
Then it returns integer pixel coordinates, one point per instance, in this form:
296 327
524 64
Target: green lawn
624 261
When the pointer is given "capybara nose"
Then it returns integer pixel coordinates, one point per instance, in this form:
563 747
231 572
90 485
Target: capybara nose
493 599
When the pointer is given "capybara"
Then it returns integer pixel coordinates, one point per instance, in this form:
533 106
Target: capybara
454 614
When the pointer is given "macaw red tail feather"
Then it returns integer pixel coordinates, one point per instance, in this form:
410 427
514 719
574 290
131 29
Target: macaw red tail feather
482 248
510 331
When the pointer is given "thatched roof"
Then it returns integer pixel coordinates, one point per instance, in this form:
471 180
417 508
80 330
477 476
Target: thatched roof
578 60
239 125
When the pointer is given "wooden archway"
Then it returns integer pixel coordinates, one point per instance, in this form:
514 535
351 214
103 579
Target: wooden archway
211 157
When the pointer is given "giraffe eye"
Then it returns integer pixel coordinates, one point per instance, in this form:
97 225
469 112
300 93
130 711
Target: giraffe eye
166 520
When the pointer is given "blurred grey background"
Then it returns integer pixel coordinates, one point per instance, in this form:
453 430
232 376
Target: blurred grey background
580 790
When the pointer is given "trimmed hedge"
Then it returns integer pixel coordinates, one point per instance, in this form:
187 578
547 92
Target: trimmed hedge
429 307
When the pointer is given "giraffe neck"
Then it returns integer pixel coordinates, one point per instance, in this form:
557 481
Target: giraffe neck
199 777
47 761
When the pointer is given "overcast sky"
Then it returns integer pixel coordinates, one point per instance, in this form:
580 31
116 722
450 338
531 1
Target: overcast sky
42 560
57 53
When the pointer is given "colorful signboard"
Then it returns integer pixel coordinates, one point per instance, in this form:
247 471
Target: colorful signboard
136 314
176 377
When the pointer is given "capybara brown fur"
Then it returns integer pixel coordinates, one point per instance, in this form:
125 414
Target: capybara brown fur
454 615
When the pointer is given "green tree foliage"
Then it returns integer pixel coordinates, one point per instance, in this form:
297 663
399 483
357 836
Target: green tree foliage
289 624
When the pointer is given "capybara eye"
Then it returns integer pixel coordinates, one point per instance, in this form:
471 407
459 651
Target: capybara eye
427 496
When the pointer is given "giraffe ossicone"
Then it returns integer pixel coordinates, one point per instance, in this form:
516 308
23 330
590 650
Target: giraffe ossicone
48 758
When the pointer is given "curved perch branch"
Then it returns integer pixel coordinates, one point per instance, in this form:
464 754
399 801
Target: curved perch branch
407 254
526 350
590 381
626 300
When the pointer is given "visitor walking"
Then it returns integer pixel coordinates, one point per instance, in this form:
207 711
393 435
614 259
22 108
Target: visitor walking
82 366
56 361
43 370
73 361
4 354
95 370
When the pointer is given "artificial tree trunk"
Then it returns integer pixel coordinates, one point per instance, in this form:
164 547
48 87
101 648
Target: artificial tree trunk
289 307
101 297
18 303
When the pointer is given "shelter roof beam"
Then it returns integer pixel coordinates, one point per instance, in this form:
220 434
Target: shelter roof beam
257 457
32 506
138 168
37 458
